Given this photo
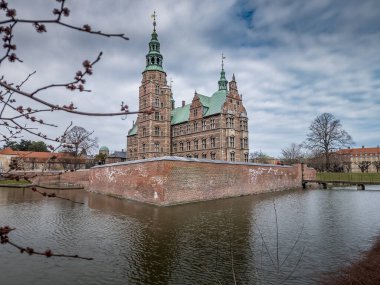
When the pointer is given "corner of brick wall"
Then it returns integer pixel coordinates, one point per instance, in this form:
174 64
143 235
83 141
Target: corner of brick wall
76 177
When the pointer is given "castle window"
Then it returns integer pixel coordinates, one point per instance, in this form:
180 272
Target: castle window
212 123
212 142
213 156
181 146
230 122
232 142
188 128
195 112
195 155
246 157
188 146
196 144
245 142
145 103
156 102
157 116
157 131
157 89
204 143
144 132
204 155
232 156
241 143
143 148
195 126
144 90
156 147
174 147
243 125
204 125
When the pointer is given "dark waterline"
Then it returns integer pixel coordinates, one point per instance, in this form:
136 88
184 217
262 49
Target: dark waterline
202 243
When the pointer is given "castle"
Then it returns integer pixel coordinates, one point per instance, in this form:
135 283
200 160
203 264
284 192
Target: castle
214 127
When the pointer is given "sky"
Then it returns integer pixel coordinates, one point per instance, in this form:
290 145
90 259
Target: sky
293 60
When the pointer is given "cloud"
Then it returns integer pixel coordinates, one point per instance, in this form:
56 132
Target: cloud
293 60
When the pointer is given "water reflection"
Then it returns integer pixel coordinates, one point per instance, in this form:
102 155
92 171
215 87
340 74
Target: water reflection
213 242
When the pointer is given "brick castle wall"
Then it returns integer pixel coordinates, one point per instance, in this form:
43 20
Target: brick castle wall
75 177
171 180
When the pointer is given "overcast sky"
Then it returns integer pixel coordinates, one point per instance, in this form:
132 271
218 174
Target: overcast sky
292 60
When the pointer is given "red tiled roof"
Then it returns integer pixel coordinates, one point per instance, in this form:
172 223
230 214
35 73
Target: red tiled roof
359 151
35 154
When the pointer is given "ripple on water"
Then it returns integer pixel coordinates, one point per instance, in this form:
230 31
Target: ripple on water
189 244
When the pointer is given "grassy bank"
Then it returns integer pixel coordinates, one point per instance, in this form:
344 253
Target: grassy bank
332 176
364 271
13 182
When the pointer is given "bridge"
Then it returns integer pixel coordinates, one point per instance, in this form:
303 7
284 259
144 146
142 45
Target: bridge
324 182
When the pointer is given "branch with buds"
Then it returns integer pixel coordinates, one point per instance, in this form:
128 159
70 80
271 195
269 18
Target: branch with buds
10 125
4 239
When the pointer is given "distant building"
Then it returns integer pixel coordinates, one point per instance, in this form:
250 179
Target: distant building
360 157
104 150
116 156
36 161
210 127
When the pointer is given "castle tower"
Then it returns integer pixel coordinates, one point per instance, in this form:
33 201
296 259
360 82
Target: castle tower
153 133
222 81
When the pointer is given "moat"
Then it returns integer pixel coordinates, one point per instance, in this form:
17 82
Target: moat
212 242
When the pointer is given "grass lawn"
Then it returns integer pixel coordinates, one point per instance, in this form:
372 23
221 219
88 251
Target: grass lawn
13 182
332 176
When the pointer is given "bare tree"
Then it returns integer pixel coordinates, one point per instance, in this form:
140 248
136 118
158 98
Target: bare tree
259 157
79 141
377 165
326 135
364 165
292 154
16 119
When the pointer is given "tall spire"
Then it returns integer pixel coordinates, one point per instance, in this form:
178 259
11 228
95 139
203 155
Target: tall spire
223 81
154 57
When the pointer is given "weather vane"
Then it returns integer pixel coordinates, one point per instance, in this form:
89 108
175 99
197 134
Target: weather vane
223 58
154 19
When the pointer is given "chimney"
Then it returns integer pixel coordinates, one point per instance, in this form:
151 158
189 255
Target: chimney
362 146
183 103
122 150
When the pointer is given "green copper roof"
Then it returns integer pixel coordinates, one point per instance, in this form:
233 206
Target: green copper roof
211 106
104 148
154 57
154 67
180 114
213 103
133 131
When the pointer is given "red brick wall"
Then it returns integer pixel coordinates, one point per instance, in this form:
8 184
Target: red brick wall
309 173
168 181
76 177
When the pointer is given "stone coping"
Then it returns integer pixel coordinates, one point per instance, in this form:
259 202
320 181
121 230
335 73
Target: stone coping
186 159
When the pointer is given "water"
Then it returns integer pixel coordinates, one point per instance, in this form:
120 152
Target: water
203 243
